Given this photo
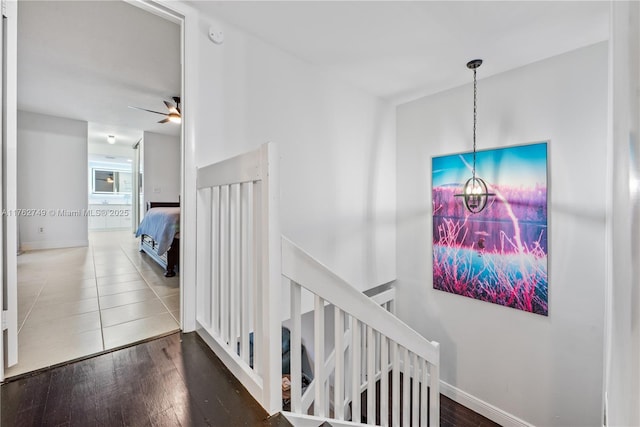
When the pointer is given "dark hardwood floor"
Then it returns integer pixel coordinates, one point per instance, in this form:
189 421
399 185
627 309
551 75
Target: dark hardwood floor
171 381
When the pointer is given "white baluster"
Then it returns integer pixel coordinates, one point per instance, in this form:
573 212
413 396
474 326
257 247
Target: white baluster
215 257
318 328
338 386
434 393
384 381
406 397
224 264
203 211
257 276
355 370
295 354
216 298
424 393
233 266
371 376
395 387
245 300
251 300
415 401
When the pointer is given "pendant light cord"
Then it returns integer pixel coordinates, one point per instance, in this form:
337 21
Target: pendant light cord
475 190
475 114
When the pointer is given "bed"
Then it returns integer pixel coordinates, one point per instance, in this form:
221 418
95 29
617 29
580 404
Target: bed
159 234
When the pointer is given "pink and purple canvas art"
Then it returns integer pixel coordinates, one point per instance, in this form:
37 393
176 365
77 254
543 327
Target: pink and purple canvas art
498 255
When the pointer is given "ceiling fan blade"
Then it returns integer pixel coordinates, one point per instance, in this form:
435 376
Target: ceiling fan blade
164 120
172 108
150 111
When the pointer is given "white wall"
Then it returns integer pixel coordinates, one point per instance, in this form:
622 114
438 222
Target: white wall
336 145
544 370
161 167
52 175
116 150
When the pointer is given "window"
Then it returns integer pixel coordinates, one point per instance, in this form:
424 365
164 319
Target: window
111 181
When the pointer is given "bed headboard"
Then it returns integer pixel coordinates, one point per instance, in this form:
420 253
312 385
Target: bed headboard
162 205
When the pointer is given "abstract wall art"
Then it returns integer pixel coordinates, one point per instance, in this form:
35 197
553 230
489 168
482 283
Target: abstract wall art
500 254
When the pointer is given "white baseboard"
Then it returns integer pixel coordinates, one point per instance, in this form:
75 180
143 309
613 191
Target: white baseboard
32 246
481 407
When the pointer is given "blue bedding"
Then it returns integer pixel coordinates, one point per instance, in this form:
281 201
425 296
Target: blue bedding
161 224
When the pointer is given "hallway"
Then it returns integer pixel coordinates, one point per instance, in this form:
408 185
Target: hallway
75 302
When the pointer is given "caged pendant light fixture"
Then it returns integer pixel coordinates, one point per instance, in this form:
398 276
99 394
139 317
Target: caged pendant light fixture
475 192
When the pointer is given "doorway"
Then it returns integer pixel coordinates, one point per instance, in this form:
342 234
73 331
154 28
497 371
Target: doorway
96 288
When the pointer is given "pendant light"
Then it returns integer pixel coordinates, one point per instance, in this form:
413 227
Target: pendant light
475 192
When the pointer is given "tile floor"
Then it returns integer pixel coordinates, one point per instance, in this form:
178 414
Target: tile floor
79 301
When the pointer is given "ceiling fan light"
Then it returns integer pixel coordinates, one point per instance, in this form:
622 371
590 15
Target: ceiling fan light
111 139
175 118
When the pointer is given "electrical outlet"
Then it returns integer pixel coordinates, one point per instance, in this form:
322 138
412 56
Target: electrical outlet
40 230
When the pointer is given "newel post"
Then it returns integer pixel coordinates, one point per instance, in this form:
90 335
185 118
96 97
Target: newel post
271 281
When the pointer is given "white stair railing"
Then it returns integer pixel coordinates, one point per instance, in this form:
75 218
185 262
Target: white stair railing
369 344
384 299
241 258
238 269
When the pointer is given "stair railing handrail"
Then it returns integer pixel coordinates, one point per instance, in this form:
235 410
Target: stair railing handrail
302 268
414 361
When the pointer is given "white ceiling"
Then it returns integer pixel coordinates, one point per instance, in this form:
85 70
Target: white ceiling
90 60
402 50
125 137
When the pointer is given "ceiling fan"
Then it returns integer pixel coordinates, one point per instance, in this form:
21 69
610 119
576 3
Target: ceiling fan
108 179
174 115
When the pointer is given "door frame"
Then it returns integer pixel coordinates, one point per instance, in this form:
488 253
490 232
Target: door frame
188 19
8 201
